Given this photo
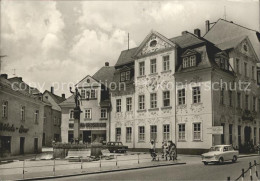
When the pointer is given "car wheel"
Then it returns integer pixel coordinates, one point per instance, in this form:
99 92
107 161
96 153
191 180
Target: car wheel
205 163
234 159
221 160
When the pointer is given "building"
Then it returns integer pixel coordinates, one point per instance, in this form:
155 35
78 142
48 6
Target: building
52 117
21 118
95 106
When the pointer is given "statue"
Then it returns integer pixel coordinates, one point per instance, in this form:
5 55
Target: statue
77 96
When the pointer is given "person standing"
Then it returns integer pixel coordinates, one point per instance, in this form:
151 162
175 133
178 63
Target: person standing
152 150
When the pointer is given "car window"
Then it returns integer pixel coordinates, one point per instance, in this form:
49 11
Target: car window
214 148
112 144
230 148
120 143
225 148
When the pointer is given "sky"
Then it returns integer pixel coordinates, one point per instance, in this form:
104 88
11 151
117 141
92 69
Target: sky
57 43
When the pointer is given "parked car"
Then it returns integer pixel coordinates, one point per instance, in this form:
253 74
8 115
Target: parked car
219 154
116 147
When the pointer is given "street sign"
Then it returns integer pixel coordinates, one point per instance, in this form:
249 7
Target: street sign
215 130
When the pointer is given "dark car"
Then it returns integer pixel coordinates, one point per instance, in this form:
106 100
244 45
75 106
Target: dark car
116 147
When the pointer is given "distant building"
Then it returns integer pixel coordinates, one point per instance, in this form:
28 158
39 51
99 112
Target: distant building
21 118
95 106
52 117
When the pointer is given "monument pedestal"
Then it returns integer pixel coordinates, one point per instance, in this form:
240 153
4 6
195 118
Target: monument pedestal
77 112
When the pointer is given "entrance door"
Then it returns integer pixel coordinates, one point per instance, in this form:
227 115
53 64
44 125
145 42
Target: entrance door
247 133
22 141
86 136
35 145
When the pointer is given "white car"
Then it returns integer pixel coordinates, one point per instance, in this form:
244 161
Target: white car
219 154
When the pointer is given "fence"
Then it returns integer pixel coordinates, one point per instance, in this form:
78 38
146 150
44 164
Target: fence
52 167
243 174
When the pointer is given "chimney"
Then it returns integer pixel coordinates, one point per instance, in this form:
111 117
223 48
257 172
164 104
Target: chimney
63 96
52 88
197 32
107 64
5 76
207 26
20 78
184 32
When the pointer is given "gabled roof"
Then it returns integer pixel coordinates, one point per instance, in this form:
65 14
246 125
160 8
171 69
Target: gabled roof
186 40
105 74
231 43
68 102
224 31
55 97
126 57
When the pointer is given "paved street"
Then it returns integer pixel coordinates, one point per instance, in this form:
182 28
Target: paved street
193 170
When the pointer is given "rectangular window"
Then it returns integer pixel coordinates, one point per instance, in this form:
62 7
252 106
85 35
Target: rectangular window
253 72
153 98
166 98
245 67
254 104
141 68
153 66
122 76
127 75
230 97
93 93
192 60
103 113
247 102
23 113
237 65
239 135
166 63
223 135
185 62
230 134
83 94
222 96
87 113
181 96
166 132
129 104
128 134
5 109
118 105
181 132
118 134
71 114
197 131
196 94
141 102
141 135
153 132
238 100
254 136
36 117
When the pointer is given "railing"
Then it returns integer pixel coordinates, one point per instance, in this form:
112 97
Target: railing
242 176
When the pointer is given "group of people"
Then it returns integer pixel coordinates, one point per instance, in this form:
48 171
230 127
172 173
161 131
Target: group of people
169 150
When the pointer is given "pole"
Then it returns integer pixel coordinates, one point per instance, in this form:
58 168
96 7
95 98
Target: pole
138 157
81 167
116 160
250 171
243 174
23 168
100 162
256 173
54 166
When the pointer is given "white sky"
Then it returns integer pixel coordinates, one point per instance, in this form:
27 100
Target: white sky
63 41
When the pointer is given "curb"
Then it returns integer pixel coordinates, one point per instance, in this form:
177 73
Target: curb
247 156
104 171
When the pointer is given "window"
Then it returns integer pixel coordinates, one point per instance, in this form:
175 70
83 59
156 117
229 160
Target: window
22 113
197 131
166 98
127 75
192 60
141 102
238 100
230 134
103 113
223 135
196 94
141 69
181 131
54 120
259 107
71 114
83 94
166 132
129 104
254 104
189 61
93 93
153 132
245 67
254 135
230 97
181 96
118 134
239 135
87 113
247 102
128 134
253 72
153 66
118 105
238 65
166 63
222 96
36 117
122 76
185 62
141 135
44 119
5 109
153 97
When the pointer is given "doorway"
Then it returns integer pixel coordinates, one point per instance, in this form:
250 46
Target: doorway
86 136
247 133
35 145
22 141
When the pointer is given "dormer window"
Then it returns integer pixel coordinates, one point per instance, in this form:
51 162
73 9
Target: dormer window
222 62
189 61
125 76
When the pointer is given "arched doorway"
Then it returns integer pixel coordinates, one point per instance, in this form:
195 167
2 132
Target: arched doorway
247 133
